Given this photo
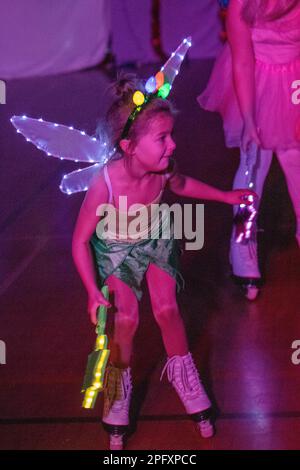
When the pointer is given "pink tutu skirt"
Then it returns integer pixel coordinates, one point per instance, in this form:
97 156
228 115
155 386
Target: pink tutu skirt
277 67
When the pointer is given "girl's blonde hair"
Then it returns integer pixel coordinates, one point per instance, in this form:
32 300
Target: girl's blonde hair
263 10
116 117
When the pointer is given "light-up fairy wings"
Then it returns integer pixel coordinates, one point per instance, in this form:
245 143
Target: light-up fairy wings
66 143
60 141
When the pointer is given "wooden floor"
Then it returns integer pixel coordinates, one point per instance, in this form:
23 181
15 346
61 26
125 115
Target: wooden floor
242 349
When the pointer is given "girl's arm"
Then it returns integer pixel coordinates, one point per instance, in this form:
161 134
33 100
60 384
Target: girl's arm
243 63
190 187
81 250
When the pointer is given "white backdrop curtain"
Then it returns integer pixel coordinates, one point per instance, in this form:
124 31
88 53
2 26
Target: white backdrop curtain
45 37
131 28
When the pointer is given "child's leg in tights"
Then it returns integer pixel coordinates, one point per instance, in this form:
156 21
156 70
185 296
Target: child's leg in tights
244 257
290 163
182 372
262 171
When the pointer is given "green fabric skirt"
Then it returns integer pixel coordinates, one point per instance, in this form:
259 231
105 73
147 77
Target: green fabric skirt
129 261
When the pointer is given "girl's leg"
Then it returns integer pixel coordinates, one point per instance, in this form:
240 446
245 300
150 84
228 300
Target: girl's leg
166 311
181 370
262 171
126 320
290 163
243 257
118 383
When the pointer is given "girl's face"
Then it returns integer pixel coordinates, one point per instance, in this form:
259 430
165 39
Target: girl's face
154 149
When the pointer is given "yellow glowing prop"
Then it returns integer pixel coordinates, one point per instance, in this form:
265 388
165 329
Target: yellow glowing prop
97 360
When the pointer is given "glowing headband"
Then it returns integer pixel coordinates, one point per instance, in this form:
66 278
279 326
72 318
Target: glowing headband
158 86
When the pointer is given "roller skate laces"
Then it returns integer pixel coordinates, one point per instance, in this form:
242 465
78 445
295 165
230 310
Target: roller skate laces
183 375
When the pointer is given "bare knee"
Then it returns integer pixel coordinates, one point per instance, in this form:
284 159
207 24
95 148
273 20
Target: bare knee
166 312
126 322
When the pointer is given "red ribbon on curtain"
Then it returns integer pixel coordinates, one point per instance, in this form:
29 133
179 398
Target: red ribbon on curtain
222 15
155 30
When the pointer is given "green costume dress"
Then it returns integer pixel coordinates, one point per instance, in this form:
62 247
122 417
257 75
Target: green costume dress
129 260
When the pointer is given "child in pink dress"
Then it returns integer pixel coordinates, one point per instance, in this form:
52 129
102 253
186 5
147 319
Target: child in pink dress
254 86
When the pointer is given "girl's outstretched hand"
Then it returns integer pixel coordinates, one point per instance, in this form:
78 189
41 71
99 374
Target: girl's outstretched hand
240 196
95 298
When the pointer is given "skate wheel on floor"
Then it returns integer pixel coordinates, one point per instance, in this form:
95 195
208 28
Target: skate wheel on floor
250 286
206 428
116 442
251 292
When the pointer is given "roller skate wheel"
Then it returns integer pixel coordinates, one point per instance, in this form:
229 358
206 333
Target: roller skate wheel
206 428
116 442
251 292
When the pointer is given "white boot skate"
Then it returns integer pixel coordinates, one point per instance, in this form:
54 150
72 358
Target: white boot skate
245 270
184 377
117 394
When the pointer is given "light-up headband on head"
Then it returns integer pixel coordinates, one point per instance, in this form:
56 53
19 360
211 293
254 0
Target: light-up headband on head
158 86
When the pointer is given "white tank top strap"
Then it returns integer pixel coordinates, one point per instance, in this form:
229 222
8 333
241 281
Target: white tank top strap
108 184
165 177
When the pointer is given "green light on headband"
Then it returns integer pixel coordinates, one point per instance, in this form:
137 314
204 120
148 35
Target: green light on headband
164 91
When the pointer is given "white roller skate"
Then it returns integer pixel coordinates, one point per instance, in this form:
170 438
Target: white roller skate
245 270
117 394
184 377
243 246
